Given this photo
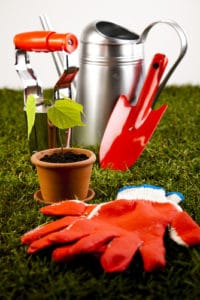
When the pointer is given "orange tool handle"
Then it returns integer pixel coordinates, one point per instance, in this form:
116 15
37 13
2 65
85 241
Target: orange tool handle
46 41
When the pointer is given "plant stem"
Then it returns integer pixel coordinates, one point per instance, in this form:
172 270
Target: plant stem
60 139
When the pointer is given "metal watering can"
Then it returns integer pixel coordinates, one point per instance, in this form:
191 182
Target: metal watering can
112 63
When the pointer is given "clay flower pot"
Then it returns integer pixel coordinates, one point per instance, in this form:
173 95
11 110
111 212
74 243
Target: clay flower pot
61 181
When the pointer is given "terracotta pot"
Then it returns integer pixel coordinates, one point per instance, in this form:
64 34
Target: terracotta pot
61 181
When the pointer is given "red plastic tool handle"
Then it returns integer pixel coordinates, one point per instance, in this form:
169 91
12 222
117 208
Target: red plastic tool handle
46 41
150 86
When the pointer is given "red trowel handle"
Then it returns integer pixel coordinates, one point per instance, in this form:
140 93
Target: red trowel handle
46 41
151 85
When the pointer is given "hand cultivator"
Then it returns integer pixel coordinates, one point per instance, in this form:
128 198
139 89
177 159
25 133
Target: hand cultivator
43 135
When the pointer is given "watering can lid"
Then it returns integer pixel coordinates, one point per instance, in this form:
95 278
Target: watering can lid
103 32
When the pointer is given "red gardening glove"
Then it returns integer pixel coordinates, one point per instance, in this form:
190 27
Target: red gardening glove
71 209
117 229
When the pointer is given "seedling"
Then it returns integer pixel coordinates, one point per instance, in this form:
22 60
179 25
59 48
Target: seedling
63 114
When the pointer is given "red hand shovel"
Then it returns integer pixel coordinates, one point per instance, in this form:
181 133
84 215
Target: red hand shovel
130 127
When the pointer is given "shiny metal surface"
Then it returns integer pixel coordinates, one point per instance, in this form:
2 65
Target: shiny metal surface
57 56
39 135
29 79
112 63
183 48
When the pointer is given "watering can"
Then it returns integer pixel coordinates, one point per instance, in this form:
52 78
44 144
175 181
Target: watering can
112 63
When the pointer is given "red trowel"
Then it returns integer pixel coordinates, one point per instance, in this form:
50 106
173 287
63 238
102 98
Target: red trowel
130 127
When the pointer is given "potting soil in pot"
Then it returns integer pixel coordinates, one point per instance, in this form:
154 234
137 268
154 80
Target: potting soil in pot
64 157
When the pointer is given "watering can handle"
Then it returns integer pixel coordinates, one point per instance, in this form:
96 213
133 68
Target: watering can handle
183 42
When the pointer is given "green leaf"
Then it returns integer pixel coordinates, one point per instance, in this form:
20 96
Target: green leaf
65 114
30 113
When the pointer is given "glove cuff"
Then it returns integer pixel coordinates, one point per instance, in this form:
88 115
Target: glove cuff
150 193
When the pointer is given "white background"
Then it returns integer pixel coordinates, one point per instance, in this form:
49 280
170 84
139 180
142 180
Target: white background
18 16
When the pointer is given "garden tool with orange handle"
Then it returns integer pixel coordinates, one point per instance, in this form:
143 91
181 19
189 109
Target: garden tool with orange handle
42 135
46 41
130 127
63 87
114 231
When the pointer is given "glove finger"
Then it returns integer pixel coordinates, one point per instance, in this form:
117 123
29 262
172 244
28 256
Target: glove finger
88 244
153 251
71 233
184 230
68 207
120 252
74 232
45 229
40 244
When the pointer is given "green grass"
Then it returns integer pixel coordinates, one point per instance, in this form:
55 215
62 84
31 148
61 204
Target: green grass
171 160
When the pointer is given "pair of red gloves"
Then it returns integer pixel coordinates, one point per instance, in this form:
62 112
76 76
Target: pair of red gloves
115 230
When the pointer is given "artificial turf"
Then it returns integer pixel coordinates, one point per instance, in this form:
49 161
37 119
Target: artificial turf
171 159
